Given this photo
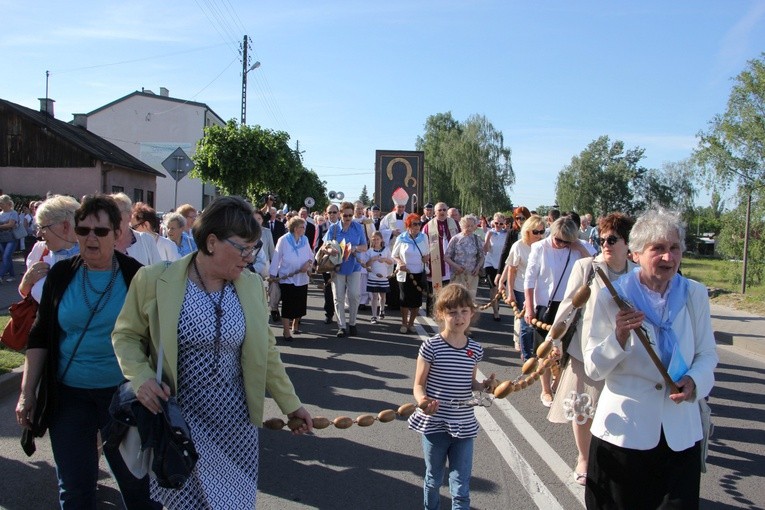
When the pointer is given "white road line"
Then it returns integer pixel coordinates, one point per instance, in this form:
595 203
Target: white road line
522 469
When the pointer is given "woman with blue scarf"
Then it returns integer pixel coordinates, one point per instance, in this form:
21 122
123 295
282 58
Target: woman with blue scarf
292 259
645 450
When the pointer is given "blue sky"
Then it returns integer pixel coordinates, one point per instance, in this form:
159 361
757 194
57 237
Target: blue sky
348 77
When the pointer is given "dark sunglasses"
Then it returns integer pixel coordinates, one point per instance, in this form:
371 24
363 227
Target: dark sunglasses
332 212
499 224
611 240
85 231
347 215
561 241
415 224
520 218
538 232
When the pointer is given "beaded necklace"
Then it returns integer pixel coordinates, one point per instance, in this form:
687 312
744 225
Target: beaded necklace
103 295
218 310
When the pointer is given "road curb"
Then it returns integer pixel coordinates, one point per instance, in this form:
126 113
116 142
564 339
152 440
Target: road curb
11 382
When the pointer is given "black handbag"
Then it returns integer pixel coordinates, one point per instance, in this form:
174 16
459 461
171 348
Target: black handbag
165 437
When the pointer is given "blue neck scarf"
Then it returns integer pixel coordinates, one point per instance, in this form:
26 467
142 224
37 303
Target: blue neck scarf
404 237
632 291
66 253
296 245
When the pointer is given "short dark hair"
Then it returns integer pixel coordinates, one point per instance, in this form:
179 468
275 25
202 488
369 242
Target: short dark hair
144 212
93 204
619 223
225 217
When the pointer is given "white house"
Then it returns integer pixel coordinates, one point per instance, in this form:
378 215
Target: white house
151 127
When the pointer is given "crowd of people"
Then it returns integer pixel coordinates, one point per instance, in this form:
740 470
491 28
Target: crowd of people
204 285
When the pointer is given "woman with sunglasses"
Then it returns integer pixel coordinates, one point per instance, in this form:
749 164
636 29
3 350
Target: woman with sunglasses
70 356
492 247
410 252
533 231
55 224
577 395
220 357
549 267
513 234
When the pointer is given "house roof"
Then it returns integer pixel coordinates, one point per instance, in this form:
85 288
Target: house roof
85 140
155 96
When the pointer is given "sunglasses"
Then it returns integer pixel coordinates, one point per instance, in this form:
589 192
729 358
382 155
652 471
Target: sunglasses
538 232
520 218
611 240
415 224
332 212
499 224
347 215
441 210
245 251
85 231
561 241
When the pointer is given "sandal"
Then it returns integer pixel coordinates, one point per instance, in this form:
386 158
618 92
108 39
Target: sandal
580 478
546 399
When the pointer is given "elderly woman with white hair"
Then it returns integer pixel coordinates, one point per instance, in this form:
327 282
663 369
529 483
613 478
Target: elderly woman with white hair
645 450
139 245
55 224
464 254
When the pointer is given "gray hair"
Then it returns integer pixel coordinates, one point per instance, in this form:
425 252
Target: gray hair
174 216
656 224
56 209
468 218
565 228
123 202
6 199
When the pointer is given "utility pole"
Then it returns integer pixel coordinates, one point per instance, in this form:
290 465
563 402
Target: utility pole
244 80
246 68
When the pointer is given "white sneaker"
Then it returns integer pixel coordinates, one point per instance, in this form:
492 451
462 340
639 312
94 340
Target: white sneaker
373 320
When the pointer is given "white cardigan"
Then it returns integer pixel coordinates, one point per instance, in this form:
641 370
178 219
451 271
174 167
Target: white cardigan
634 405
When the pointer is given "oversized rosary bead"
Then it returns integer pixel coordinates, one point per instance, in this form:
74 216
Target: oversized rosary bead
274 424
504 389
557 330
320 422
544 349
386 415
342 422
365 420
581 296
295 423
529 366
406 410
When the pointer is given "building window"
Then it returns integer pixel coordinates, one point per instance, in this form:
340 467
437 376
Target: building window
118 189
137 195
150 198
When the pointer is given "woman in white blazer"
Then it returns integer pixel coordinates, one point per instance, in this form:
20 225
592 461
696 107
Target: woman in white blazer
645 450
577 395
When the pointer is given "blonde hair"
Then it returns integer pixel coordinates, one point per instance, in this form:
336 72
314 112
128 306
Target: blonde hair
57 208
533 222
123 201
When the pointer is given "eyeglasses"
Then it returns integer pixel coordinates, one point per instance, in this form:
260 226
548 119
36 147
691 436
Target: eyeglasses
441 210
562 241
347 215
138 224
245 251
520 218
85 231
332 212
40 228
499 224
538 232
611 240
415 224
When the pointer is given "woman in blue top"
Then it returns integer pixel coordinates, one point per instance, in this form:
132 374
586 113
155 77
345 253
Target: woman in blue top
70 356
346 278
443 385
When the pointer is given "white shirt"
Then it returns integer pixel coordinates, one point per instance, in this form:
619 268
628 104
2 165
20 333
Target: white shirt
546 267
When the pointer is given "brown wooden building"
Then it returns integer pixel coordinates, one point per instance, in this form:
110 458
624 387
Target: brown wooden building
40 154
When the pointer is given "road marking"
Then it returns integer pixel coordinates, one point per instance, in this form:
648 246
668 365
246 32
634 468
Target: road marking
522 469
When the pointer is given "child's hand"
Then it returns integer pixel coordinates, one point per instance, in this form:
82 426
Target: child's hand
428 405
490 384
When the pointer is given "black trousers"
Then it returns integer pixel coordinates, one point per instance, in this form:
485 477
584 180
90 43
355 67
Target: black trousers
329 300
623 478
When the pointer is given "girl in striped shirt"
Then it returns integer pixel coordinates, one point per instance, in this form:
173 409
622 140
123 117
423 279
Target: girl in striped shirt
443 383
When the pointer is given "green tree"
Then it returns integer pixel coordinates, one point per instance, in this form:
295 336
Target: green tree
468 165
247 160
732 152
604 177
308 185
364 196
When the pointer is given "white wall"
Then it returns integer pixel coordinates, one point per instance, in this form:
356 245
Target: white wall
151 128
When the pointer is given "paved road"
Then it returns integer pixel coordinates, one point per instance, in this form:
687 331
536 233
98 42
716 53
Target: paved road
521 460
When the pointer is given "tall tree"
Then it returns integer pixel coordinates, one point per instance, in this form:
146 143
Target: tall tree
364 196
468 164
732 150
604 177
247 160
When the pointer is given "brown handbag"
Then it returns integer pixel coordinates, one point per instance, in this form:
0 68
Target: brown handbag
16 332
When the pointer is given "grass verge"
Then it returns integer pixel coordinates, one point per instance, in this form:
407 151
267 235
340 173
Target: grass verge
720 275
8 359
